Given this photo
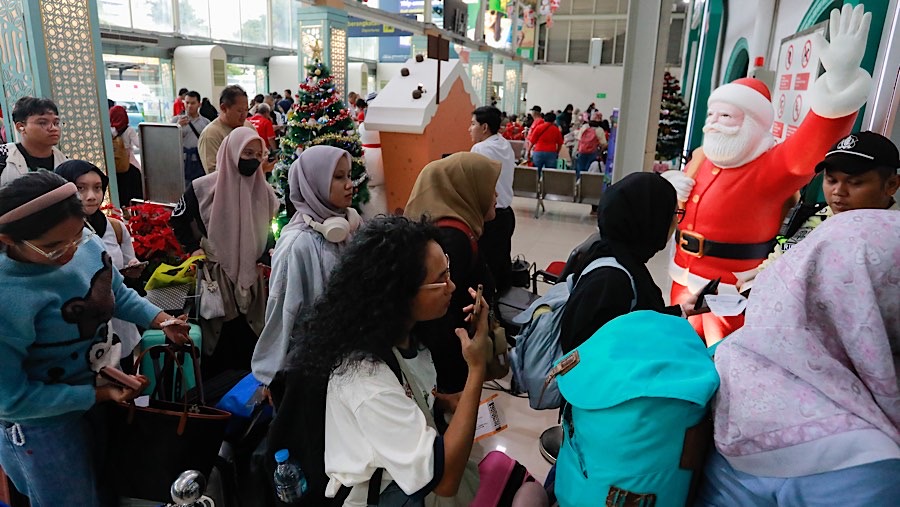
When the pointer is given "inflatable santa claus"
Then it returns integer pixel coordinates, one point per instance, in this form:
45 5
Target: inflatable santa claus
735 190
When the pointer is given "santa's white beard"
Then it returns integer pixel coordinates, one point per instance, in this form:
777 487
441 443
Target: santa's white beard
727 150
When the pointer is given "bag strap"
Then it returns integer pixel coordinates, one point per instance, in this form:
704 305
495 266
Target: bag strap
459 225
416 391
194 129
606 262
117 228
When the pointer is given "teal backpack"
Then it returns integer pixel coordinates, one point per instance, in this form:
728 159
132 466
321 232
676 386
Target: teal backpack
636 423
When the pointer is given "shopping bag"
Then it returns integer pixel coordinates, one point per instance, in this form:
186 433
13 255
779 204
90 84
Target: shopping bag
150 446
168 286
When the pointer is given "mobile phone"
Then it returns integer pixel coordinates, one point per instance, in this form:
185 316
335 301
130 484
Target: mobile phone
134 269
710 288
120 378
476 312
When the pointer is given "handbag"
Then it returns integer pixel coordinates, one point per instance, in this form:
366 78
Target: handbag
211 304
520 275
150 446
169 286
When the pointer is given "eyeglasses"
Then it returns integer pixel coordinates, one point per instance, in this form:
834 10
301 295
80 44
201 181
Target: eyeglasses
679 214
46 124
59 252
440 285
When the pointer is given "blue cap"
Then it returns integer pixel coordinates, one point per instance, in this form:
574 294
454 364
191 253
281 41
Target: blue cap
282 456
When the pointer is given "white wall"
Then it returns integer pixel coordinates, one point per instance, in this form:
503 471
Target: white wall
787 20
736 27
554 86
284 73
385 72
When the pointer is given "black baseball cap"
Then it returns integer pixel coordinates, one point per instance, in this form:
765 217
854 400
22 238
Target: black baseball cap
536 108
861 152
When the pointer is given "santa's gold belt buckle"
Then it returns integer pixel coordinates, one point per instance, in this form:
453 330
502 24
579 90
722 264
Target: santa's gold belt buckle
684 242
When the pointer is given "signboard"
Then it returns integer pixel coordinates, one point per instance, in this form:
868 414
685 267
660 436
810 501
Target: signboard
798 68
357 27
601 95
162 162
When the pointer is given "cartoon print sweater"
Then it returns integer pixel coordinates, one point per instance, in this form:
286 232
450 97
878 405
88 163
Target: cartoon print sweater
55 334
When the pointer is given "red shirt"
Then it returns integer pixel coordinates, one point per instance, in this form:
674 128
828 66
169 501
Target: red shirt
513 132
545 137
263 127
178 107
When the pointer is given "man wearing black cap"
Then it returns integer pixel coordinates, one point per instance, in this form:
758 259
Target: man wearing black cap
860 173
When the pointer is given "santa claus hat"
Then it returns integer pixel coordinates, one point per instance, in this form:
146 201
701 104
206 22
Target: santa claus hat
750 95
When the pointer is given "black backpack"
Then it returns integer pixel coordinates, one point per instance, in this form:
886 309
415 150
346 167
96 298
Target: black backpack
299 426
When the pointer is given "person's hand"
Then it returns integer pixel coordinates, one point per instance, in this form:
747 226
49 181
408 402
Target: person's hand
183 120
682 182
447 402
268 167
132 262
476 349
842 56
197 252
177 332
119 394
687 306
745 277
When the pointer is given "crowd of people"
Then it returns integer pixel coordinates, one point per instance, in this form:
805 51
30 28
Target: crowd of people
808 412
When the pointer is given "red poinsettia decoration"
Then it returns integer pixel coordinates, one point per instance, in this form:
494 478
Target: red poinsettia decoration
152 235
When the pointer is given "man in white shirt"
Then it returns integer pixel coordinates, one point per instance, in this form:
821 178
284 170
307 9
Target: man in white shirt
496 241
192 124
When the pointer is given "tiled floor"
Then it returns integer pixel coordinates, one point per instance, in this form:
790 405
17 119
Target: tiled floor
550 238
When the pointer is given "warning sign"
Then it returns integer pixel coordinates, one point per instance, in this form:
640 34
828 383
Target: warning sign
798 67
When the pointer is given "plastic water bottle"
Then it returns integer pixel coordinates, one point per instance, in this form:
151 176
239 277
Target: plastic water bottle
290 483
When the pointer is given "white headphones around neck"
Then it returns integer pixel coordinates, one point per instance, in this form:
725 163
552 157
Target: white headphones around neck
335 229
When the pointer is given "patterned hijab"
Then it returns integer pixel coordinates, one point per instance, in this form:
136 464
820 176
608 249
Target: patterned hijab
460 186
236 210
814 358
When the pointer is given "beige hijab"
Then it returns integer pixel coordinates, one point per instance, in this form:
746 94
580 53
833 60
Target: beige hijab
236 210
460 186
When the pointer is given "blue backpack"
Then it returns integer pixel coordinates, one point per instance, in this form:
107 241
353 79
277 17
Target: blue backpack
636 426
537 347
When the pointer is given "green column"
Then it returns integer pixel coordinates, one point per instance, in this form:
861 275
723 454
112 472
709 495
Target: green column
323 30
481 71
51 49
512 86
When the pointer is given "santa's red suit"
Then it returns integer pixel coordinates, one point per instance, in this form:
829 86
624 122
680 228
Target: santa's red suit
733 214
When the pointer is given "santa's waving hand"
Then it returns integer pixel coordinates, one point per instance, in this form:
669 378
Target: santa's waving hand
735 191
844 86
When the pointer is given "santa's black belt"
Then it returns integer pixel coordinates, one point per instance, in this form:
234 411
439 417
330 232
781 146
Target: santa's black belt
695 244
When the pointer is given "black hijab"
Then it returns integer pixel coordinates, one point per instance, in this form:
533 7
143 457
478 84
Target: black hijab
71 170
634 217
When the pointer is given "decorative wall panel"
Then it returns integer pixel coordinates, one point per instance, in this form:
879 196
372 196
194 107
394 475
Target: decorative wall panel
338 55
71 65
16 78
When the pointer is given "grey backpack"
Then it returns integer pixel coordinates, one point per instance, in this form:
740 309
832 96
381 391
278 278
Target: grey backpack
537 347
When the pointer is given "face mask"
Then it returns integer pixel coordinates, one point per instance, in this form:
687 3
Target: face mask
248 166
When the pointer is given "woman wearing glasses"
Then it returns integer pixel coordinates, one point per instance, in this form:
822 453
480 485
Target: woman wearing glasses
458 193
321 191
61 291
227 215
360 339
37 123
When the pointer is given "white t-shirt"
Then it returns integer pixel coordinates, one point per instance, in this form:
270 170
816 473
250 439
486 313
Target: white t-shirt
497 148
371 423
120 255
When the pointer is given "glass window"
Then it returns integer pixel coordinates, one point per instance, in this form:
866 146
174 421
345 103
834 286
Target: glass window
225 20
245 76
558 42
115 13
255 22
154 15
282 25
194 17
363 48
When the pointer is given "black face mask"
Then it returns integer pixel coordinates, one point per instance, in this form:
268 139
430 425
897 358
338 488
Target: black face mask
248 166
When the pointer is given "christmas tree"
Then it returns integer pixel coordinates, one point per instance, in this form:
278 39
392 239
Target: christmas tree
672 121
320 117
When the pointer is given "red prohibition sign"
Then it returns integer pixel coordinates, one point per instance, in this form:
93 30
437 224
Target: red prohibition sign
781 106
807 53
789 57
798 106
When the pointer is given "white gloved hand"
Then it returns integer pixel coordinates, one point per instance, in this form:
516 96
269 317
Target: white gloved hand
682 182
844 86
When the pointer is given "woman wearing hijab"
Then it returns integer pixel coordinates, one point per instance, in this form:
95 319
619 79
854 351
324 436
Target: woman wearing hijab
128 169
457 192
808 412
92 185
227 215
636 218
321 189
